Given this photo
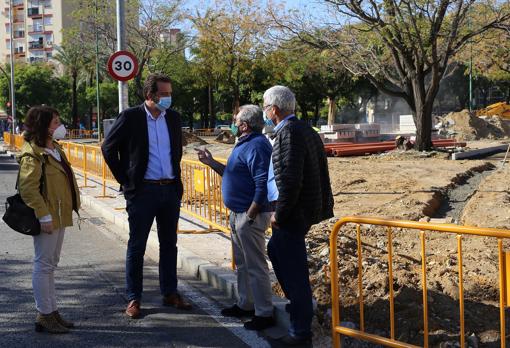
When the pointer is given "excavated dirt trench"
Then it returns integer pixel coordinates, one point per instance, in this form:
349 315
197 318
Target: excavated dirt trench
457 195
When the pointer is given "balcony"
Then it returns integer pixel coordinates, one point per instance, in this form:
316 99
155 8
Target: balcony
33 12
18 34
19 52
33 29
36 59
35 45
16 56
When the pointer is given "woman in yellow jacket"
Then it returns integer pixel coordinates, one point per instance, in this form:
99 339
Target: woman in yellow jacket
42 158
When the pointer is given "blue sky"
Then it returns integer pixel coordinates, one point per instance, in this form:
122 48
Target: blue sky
298 4
313 7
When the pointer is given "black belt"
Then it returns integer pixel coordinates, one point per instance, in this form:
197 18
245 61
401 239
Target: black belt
269 208
160 182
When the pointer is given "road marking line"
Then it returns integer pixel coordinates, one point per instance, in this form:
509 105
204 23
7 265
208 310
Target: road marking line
251 338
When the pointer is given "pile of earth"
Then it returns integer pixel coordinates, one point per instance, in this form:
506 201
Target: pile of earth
188 138
466 126
226 137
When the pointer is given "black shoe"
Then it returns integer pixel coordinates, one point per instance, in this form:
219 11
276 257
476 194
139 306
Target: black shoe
236 312
259 323
293 341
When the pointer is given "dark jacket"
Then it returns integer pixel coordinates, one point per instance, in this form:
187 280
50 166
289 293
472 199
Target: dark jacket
301 174
126 148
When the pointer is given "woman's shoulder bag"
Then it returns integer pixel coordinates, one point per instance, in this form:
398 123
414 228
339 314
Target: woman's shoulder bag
19 216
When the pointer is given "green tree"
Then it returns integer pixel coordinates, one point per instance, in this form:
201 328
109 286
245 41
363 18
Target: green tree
296 66
108 99
145 22
71 55
228 41
403 48
36 84
490 56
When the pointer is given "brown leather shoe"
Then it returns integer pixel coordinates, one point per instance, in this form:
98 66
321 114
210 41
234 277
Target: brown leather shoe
133 309
177 301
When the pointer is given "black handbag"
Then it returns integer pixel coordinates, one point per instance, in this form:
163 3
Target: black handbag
19 216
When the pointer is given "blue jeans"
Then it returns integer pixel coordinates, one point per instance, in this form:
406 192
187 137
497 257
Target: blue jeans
287 251
160 202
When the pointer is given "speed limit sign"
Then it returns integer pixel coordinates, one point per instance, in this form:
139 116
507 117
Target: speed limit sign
122 66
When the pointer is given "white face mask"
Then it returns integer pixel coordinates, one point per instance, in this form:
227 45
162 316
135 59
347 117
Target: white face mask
60 132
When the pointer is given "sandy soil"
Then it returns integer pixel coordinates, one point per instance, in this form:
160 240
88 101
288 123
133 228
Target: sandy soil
388 186
490 204
412 185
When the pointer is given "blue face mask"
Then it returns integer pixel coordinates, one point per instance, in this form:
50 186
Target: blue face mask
164 103
267 120
234 129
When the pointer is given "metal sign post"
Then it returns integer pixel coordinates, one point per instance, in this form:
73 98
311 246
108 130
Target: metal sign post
121 45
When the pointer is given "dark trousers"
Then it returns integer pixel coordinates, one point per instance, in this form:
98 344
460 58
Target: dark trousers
287 252
160 202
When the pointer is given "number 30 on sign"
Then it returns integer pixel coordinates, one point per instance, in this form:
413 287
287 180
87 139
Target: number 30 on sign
122 66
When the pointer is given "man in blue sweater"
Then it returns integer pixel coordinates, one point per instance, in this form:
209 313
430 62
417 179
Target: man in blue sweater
244 189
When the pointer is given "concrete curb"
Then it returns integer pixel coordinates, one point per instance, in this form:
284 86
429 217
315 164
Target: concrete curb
219 278
479 152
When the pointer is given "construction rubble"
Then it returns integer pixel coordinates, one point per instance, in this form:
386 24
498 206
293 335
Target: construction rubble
188 138
465 125
226 137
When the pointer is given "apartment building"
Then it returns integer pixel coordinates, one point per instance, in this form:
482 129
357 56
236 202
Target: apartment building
37 27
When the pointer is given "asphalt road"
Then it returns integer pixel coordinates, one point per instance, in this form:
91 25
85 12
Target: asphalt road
90 292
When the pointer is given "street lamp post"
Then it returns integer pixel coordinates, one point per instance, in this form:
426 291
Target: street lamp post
98 114
470 68
11 46
471 78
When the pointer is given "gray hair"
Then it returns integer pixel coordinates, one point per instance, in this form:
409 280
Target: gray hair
281 97
252 115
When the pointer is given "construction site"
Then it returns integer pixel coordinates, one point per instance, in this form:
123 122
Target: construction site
463 182
417 249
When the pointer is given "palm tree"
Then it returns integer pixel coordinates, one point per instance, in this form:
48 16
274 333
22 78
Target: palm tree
71 57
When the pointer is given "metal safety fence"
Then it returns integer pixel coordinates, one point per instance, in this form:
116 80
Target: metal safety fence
424 228
206 132
9 139
202 198
88 161
81 134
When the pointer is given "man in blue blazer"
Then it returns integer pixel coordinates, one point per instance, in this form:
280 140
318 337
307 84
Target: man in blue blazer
143 150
